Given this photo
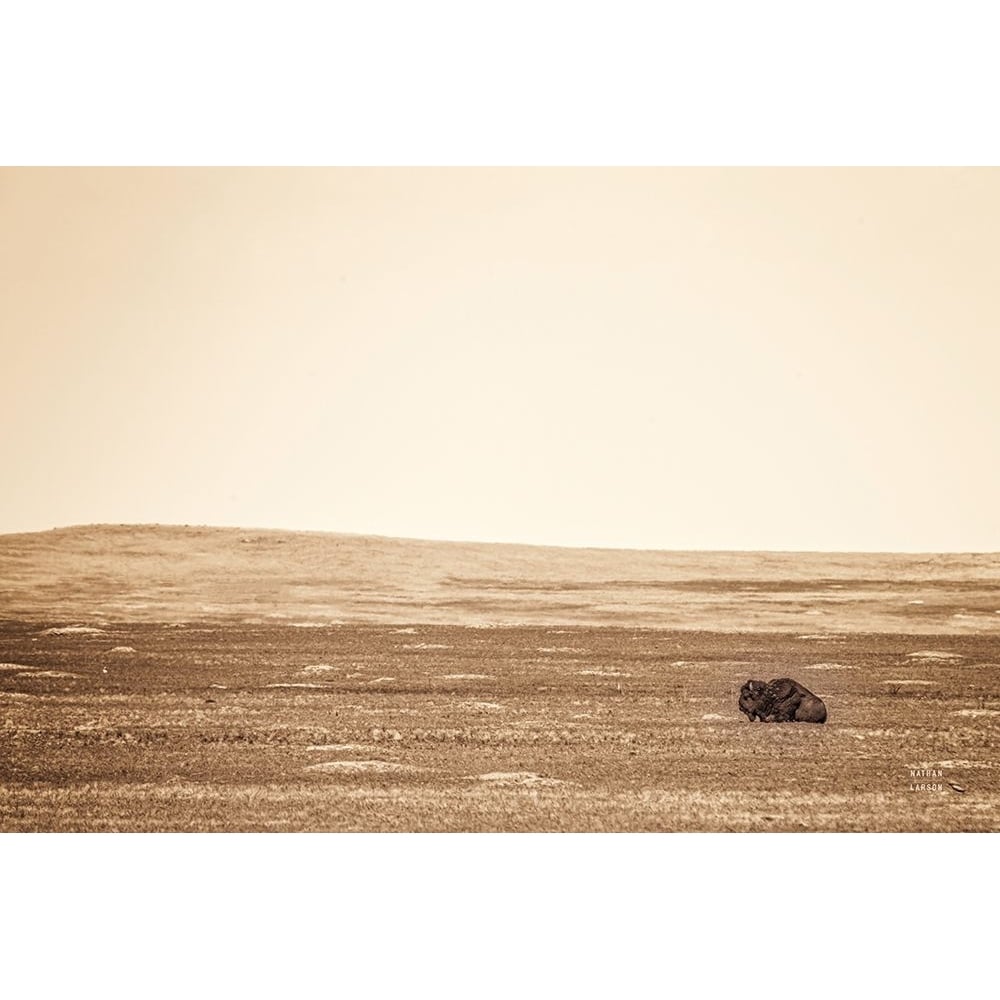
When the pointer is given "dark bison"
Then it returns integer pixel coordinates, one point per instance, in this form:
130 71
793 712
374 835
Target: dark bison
782 700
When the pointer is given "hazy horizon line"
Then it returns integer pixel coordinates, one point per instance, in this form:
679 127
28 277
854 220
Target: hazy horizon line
478 541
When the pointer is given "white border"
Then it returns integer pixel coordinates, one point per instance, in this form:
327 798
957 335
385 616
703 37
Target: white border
498 915
718 81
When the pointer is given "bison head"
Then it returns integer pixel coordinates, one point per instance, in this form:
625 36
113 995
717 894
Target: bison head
752 696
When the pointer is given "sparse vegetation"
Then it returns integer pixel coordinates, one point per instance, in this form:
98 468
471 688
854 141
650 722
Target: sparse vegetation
190 733
200 679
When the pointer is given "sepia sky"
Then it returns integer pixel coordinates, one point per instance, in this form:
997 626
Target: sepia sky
650 358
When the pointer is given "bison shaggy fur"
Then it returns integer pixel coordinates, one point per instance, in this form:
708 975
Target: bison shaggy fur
782 700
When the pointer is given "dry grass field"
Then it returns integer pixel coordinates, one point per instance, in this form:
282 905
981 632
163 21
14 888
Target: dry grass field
197 679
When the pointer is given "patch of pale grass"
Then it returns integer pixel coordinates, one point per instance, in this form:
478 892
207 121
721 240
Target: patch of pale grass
974 764
524 778
378 766
341 747
852 731
73 630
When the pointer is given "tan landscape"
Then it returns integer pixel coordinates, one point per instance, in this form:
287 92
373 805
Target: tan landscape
181 678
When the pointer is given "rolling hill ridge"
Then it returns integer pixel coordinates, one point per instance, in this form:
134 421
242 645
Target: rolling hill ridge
145 573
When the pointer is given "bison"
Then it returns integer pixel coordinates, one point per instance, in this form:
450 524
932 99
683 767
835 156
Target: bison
782 700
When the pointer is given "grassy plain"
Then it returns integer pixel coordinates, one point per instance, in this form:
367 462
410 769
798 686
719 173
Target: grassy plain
198 679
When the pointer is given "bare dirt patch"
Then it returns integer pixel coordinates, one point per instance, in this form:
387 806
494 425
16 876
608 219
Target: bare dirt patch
297 684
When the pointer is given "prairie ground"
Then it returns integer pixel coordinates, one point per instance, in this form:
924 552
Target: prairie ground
232 725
